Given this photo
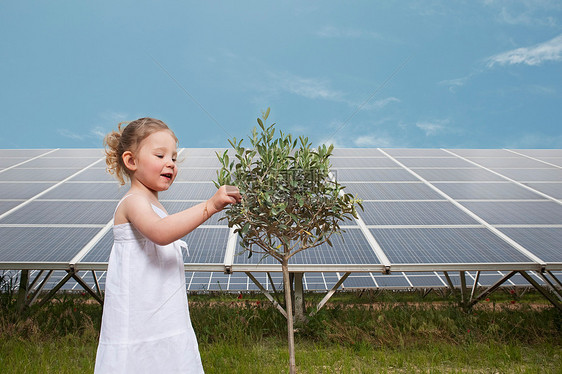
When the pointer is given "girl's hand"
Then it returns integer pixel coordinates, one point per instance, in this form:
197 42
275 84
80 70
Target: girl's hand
224 196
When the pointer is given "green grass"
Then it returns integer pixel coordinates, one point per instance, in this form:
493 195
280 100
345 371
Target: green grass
390 332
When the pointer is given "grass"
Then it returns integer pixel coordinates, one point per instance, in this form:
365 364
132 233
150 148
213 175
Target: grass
388 332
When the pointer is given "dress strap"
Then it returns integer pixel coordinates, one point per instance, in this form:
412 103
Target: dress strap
182 244
120 201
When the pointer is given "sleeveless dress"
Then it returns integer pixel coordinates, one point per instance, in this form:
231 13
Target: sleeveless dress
146 326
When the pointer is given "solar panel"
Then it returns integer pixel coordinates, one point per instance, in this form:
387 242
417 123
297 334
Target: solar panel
434 162
23 190
355 162
37 174
472 174
88 191
532 175
392 191
492 190
42 244
517 212
349 248
417 229
516 162
189 191
551 189
445 245
542 241
414 213
62 212
374 175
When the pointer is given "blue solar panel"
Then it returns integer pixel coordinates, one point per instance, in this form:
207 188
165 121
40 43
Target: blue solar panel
349 248
551 189
503 190
446 175
392 191
375 175
445 245
24 190
545 242
517 212
414 213
42 244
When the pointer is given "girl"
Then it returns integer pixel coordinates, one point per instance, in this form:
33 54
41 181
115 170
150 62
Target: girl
145 324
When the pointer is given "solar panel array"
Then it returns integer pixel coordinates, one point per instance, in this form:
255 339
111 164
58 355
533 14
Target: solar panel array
427 211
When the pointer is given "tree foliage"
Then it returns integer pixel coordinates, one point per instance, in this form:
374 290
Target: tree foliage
291 200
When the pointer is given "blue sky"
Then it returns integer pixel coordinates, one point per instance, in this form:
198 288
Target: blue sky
453 74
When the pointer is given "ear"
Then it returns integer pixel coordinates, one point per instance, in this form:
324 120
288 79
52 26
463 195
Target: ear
129 160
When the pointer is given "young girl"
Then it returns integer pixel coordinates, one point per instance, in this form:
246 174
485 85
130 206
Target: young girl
145 325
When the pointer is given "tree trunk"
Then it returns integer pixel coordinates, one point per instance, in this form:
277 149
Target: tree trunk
289 309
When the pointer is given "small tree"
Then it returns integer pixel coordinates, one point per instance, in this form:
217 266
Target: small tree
290 200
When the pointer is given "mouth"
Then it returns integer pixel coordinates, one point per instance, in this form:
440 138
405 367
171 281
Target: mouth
167 176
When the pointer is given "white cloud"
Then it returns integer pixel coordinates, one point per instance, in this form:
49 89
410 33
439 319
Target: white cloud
346 33
535 55
454 84
433 127
370 141
70 134
98 132
378 104
311 88
526 12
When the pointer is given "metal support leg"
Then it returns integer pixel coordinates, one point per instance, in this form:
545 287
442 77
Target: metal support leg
329 294
300 308
267 294
551 286
56 288
98 289
474 285
449 281
22 292
556 280
464 301
491 289
40 288
275 294
34 282
87 288
544 292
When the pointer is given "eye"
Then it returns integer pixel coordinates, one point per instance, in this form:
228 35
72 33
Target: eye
174 159
160 156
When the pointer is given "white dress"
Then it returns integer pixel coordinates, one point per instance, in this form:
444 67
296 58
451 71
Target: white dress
146 326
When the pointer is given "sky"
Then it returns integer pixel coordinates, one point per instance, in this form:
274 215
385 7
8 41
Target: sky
389 74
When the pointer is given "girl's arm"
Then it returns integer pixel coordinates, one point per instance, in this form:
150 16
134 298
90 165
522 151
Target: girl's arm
163 231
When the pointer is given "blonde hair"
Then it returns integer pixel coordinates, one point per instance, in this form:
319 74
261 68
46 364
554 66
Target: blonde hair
128 138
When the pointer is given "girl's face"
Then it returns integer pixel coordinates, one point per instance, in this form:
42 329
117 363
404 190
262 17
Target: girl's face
155 161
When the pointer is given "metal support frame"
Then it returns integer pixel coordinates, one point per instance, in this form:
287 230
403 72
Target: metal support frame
464 301
300 308
329 294
23 289
98 288
490 289
71 274
449 281
275 294
556 280
40 288
551 286
539 288
474 286
267 294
